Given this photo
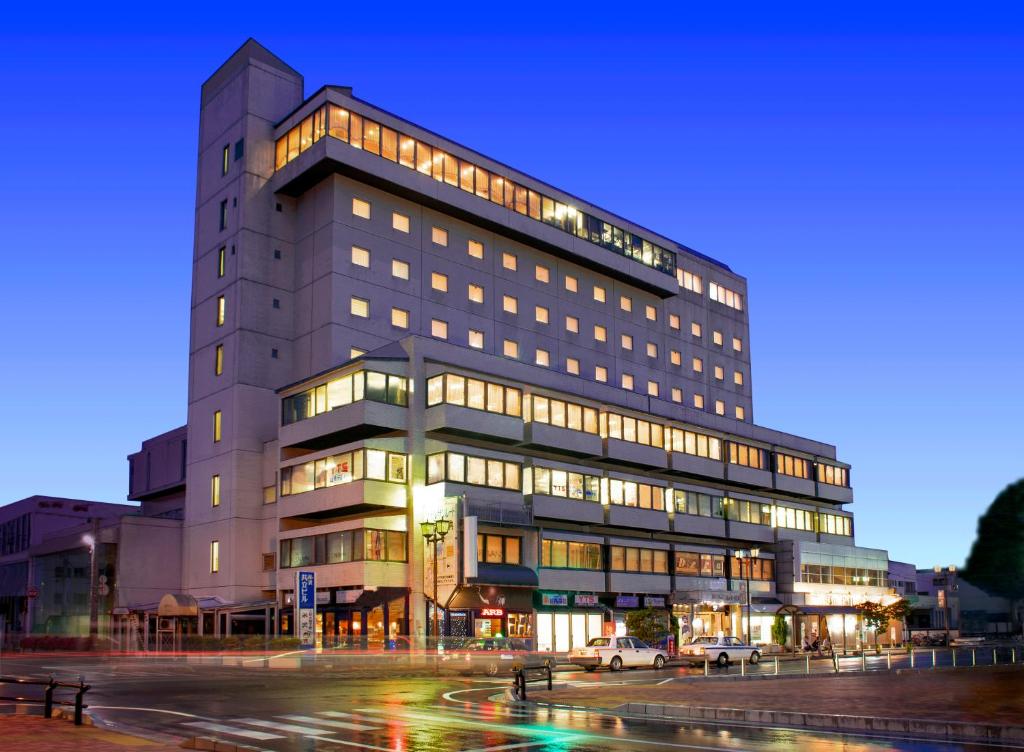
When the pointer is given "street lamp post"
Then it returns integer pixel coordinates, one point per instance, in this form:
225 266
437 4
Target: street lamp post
89 539
748 555
433 533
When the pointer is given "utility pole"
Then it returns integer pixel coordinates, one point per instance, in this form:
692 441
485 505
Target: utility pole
92 541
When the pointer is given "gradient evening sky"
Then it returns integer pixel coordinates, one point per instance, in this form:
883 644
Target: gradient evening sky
862 168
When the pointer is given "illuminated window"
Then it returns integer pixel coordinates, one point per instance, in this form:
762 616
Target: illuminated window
725 296
221 260
215 491
399 269
218 360
571 283
627 342
214 556
601 374
572 365
698 365
400 318
509 304
698 401
221 310
677 394
627 381
510 348
475 293
475 249
225 160
675 357
439 236
600 333
689 281
439 281
652 388
399 222
542 357
361 208
540 314
737 378
542 274
737 344
572 324
673 321
509 261
359 307
599 294
652 350
355 352
216 425
716 337
695 329
651 313
741 414
719 373
439 328
476 339
719 407
360 256
625 303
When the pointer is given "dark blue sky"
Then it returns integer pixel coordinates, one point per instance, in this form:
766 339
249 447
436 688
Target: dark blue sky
862 169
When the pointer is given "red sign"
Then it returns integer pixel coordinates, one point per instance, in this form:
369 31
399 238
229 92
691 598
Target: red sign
32 592
492 612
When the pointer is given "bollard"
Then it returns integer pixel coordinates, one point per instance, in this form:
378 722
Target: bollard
743 667
807 659
933 657
863 661
48 699
993 656
835 662
705 665
888 660
911 657
974 657
776 665
954 657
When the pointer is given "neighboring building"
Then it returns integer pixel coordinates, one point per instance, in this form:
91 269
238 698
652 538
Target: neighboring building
156 474
945 601
388 327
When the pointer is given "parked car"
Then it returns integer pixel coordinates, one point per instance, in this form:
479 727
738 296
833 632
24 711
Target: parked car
617 653
721 650
494 656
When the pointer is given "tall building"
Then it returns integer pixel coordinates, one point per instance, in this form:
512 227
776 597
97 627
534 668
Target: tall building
389 328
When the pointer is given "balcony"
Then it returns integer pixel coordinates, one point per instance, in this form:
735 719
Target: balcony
562 440
689 464
558 508
466 421
352 422
644 519
841 494
790 484
692 524
748 532
638 455
748 476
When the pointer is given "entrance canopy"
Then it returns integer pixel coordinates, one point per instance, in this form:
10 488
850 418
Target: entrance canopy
178 604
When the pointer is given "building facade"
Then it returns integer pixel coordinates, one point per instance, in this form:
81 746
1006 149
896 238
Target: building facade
388 329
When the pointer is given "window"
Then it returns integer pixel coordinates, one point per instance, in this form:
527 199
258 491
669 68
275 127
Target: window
399 222
498 549
454 389
725 296
626 428
347 467
695 329
625 303
572 324
600 295
834 524
558 554
700 504
600 374
675 357
627 381
270 494
698 401
400 318
652 388
748 456
344 390
627 341
651 313
652 350
689 281
439 236
360 208
644 560
797 467
399 269
832 475
509 304
572 365
276 303
677 394
753 512
556 412
476 339
719 407
475 293
439 328
475 471
509 261
218 360
542 357
216 426
221 260
239 148
737 378
475 249
698 365
571 283
741 414
439 281
542 274
719 373
225 160
692 564
510 348
359 307
224 214
737 344
692 442
716 337
342 546
600 333
794 519
215 491
221 310
214 556
360 256
540 314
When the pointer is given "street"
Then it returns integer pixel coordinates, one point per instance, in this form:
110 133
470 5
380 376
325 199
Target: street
323 708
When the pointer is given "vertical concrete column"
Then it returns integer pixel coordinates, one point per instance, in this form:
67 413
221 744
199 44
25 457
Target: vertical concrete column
416 444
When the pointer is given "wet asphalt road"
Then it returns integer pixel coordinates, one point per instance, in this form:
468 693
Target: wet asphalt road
317 709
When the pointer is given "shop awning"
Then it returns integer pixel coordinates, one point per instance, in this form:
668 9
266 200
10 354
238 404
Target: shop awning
490 596
505 574
825 610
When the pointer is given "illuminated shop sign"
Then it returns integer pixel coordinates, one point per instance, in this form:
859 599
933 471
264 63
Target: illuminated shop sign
585 600
554 599
627 601
493 613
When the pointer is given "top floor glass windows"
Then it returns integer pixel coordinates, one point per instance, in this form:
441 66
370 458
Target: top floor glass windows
453 389
797 467
353 387
725 296
368 135
832 475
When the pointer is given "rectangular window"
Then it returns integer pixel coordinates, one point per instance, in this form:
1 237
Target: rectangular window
359 307
675 357
673 321
360 208
651 313
719 373
476 471
572 365
625 303
399 222
652 350
475 249
737 344
475 339
399 269
221 310
695 329
627 381
214 556
439 236
600 374
689 281
542 357
509 261
540 314
399 318
572 324
600 333
509 304
716 338
218 360
216 425
571 284
360 257
725 296
215 491
626 341
475 293
221 260
698 365
542 274
599 294
224 214
439 281
510 348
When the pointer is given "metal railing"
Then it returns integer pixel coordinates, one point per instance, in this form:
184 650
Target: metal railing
500 512
522 676
47 700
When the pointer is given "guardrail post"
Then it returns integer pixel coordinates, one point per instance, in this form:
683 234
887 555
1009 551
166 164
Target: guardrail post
48 698
863 661
974 657
743 667
82 689
1013 655
994 660
807 663
705 665
835 662
550 686
776 665
888 660
954 657
933 657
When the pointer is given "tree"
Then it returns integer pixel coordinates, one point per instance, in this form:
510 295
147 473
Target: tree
650 625
780 630
996 561
877 617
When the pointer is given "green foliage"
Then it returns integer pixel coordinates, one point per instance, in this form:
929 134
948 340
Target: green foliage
780 630
996 561
874 614
649 624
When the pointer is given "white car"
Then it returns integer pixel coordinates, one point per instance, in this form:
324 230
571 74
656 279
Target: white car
720 650
617 653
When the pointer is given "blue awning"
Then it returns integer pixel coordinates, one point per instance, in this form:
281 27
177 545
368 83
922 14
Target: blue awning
504 574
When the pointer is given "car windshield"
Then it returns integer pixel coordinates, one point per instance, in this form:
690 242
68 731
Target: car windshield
639 643
705 641
599 642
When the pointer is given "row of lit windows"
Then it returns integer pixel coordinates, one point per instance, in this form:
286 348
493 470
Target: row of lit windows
632 494
797 467
748 456
475 471
564 483
498 549
641 560
372 464
834 524
375 138
343 546
454 389
556 412
694 564
828 575
691 442
725 296
758 513
753 569
832 475
344 390
559 554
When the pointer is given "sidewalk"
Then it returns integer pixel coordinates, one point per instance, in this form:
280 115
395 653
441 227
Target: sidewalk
31 733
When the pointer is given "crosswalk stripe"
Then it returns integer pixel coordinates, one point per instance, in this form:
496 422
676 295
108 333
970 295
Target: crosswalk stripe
245 733
289 727
449 719
348 725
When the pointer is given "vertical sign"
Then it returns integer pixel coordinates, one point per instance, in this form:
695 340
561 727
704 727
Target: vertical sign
305 609
448 561
470 567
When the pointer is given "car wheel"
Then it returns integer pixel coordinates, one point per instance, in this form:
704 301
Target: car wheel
491 669
754 658
659 662
615 664
723 660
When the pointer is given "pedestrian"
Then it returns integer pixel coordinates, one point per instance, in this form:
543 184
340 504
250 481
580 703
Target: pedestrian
826 645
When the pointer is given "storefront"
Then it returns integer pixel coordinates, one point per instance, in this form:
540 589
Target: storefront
701 613
620 605
370 619
490 611
567 620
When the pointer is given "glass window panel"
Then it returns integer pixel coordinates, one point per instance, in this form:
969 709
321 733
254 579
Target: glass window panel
456 389
475 394
476 471
457 467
